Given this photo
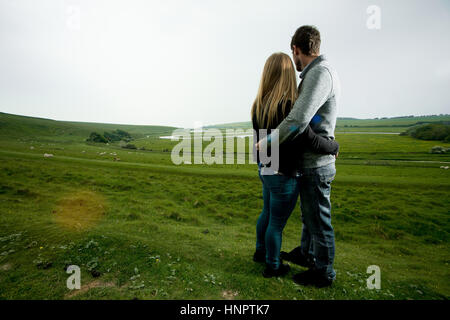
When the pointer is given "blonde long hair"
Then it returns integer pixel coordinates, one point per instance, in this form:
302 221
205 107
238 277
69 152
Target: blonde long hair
278 85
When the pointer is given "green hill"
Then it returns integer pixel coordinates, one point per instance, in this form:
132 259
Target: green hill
17 126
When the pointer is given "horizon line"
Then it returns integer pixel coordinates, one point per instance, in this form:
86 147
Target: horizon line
219 124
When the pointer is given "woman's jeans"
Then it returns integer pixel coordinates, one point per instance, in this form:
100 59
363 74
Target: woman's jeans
280 194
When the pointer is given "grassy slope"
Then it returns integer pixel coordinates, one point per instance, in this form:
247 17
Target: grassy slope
15 126
188 231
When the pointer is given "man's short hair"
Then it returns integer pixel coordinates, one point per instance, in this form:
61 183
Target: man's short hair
307 39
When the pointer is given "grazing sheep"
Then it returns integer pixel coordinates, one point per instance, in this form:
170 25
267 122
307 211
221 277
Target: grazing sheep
48 155
439 150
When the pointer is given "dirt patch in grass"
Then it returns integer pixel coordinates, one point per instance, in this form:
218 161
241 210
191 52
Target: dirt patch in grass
6 267
229 295
80 210
89 286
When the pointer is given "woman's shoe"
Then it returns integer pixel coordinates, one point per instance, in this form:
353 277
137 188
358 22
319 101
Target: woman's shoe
282 270
259 256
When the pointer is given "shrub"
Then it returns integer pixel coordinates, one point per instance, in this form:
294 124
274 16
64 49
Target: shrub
439 150
129 146
96 137
113 136
118 135
431 131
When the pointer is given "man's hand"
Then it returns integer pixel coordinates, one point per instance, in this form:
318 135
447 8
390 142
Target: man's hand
257 146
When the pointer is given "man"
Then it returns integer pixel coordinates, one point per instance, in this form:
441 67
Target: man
316 105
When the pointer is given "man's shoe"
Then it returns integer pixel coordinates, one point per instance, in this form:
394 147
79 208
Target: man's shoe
312 277
259 256
282 270
297 257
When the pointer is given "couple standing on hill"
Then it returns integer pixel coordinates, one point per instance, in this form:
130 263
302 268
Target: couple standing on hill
305 119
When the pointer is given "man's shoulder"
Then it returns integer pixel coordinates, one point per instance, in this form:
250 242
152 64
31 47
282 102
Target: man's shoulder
321 70
323 67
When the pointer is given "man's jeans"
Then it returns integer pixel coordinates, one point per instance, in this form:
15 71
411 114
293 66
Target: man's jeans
318 234
280 194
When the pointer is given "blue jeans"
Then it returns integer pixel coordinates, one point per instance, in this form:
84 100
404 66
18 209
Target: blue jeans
280 194
317 235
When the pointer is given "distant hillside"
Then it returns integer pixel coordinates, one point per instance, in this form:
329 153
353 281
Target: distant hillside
405 121
346 123
16 126
233 125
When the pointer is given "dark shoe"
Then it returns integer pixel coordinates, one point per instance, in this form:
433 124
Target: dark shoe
312 277
259 256
282 270
297 257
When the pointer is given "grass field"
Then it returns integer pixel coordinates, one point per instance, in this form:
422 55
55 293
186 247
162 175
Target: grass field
144 228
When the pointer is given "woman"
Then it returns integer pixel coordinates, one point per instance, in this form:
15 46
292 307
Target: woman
276 94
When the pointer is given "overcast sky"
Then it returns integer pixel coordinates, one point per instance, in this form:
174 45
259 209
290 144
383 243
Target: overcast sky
170 62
